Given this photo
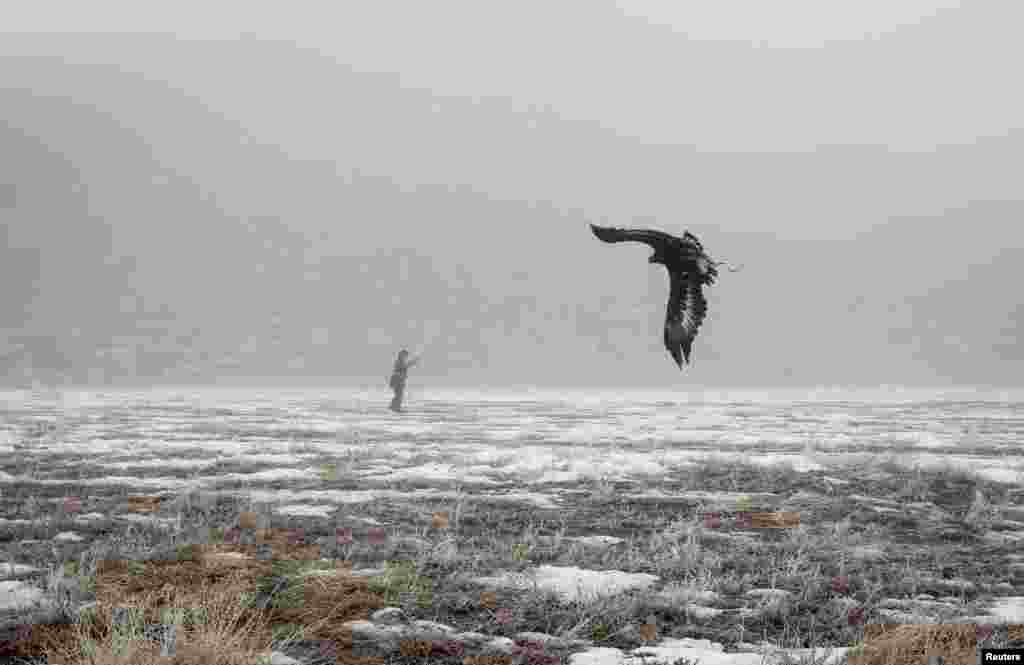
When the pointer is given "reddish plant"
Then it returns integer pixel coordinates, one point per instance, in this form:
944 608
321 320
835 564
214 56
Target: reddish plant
72 504
329 649
534 653
447 648
9 639
855 616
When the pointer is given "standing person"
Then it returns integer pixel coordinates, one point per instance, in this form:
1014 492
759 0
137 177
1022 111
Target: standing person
398 377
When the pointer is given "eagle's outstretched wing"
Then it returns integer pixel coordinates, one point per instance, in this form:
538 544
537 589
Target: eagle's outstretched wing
656 239
689 268
684 315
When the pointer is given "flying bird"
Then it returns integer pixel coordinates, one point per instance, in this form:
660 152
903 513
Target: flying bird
689 270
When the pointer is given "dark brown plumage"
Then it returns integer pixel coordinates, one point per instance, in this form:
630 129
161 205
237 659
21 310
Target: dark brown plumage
689 270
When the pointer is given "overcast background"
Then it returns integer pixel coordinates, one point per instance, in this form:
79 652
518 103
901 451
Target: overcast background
290 192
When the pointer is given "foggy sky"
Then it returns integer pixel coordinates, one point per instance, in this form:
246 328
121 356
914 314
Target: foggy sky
211 195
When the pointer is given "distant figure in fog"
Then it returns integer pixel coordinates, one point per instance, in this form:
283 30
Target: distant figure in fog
398 377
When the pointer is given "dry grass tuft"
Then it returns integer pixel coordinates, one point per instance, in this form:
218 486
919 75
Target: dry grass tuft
913 644
228 604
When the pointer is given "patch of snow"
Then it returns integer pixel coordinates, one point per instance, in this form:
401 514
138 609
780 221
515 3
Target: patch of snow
88 517
598 656
537 499
1001 475
12 569
304 510
667 651
1009 609
599 541
573 583
701 612
435 471
16 596
142 518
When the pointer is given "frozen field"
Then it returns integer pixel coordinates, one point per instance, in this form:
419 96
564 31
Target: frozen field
917 500
540 442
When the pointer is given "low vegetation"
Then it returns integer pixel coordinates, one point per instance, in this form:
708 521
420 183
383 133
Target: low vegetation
237 581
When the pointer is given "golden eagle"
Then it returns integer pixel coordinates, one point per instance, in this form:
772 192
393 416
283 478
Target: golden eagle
689 269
